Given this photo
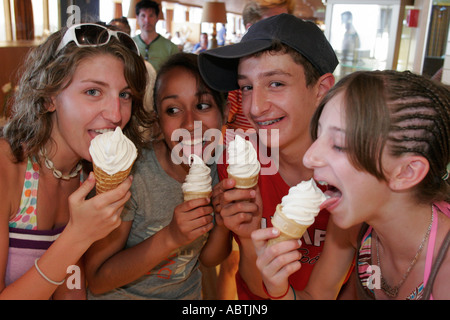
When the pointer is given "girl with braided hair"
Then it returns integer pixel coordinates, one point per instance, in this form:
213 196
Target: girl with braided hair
381 143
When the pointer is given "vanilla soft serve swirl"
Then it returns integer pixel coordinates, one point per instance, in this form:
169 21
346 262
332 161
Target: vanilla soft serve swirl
242 159
302 203
199 177
112 151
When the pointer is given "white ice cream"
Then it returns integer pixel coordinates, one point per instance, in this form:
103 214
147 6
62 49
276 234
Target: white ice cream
242 159
112 151
199 176
303 201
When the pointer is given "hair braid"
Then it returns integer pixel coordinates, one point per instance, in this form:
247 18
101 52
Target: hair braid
420 124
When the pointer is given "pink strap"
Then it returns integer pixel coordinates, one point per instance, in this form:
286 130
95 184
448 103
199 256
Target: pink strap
444 207
430 250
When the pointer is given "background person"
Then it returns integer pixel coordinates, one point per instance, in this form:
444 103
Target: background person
122 24
153 47
202 45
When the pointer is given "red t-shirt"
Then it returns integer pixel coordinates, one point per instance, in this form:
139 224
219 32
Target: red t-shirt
273 188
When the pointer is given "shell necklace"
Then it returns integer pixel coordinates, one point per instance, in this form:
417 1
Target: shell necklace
57 173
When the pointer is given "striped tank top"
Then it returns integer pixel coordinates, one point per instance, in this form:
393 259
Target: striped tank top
26 242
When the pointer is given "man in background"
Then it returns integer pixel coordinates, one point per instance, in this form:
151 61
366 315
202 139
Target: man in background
153 47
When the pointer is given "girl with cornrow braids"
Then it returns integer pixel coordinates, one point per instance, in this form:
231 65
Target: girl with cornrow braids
382 144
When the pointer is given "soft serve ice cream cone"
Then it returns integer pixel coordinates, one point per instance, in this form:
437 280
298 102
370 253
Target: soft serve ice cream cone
297 211
198 181
243 164
113 155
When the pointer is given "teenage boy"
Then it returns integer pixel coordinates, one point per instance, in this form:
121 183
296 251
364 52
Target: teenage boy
283 65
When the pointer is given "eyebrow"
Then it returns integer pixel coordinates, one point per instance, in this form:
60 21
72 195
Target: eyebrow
198 95
337 131
332 128
101 83
276 72
172 96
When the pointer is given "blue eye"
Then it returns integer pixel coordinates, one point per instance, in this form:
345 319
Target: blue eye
125 95
93 92
276 84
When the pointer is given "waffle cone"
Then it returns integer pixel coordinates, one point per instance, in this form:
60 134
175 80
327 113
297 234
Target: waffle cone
245 183
105 182
289 229
195 195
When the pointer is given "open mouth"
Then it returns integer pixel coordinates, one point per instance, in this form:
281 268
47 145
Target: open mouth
95 132
192 146
192 142
333 195
100 131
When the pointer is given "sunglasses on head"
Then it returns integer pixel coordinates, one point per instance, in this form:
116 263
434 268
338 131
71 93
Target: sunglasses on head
94 35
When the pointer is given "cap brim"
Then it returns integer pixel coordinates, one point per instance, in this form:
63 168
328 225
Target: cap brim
218 67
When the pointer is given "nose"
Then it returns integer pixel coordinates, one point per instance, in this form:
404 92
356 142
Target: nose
258 103
112 111
191 121
313 156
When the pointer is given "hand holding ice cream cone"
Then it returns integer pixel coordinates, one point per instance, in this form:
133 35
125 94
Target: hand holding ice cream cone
113 156
297 211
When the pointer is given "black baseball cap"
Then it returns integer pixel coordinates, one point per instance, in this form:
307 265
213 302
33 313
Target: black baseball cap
218 67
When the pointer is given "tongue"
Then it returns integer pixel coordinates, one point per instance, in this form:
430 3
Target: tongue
330 201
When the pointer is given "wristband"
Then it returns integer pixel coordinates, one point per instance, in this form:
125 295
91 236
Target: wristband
276 298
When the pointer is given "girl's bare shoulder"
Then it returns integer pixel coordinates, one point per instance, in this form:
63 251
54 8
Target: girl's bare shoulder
11 179
7 160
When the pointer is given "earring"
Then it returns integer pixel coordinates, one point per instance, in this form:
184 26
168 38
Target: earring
446 175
